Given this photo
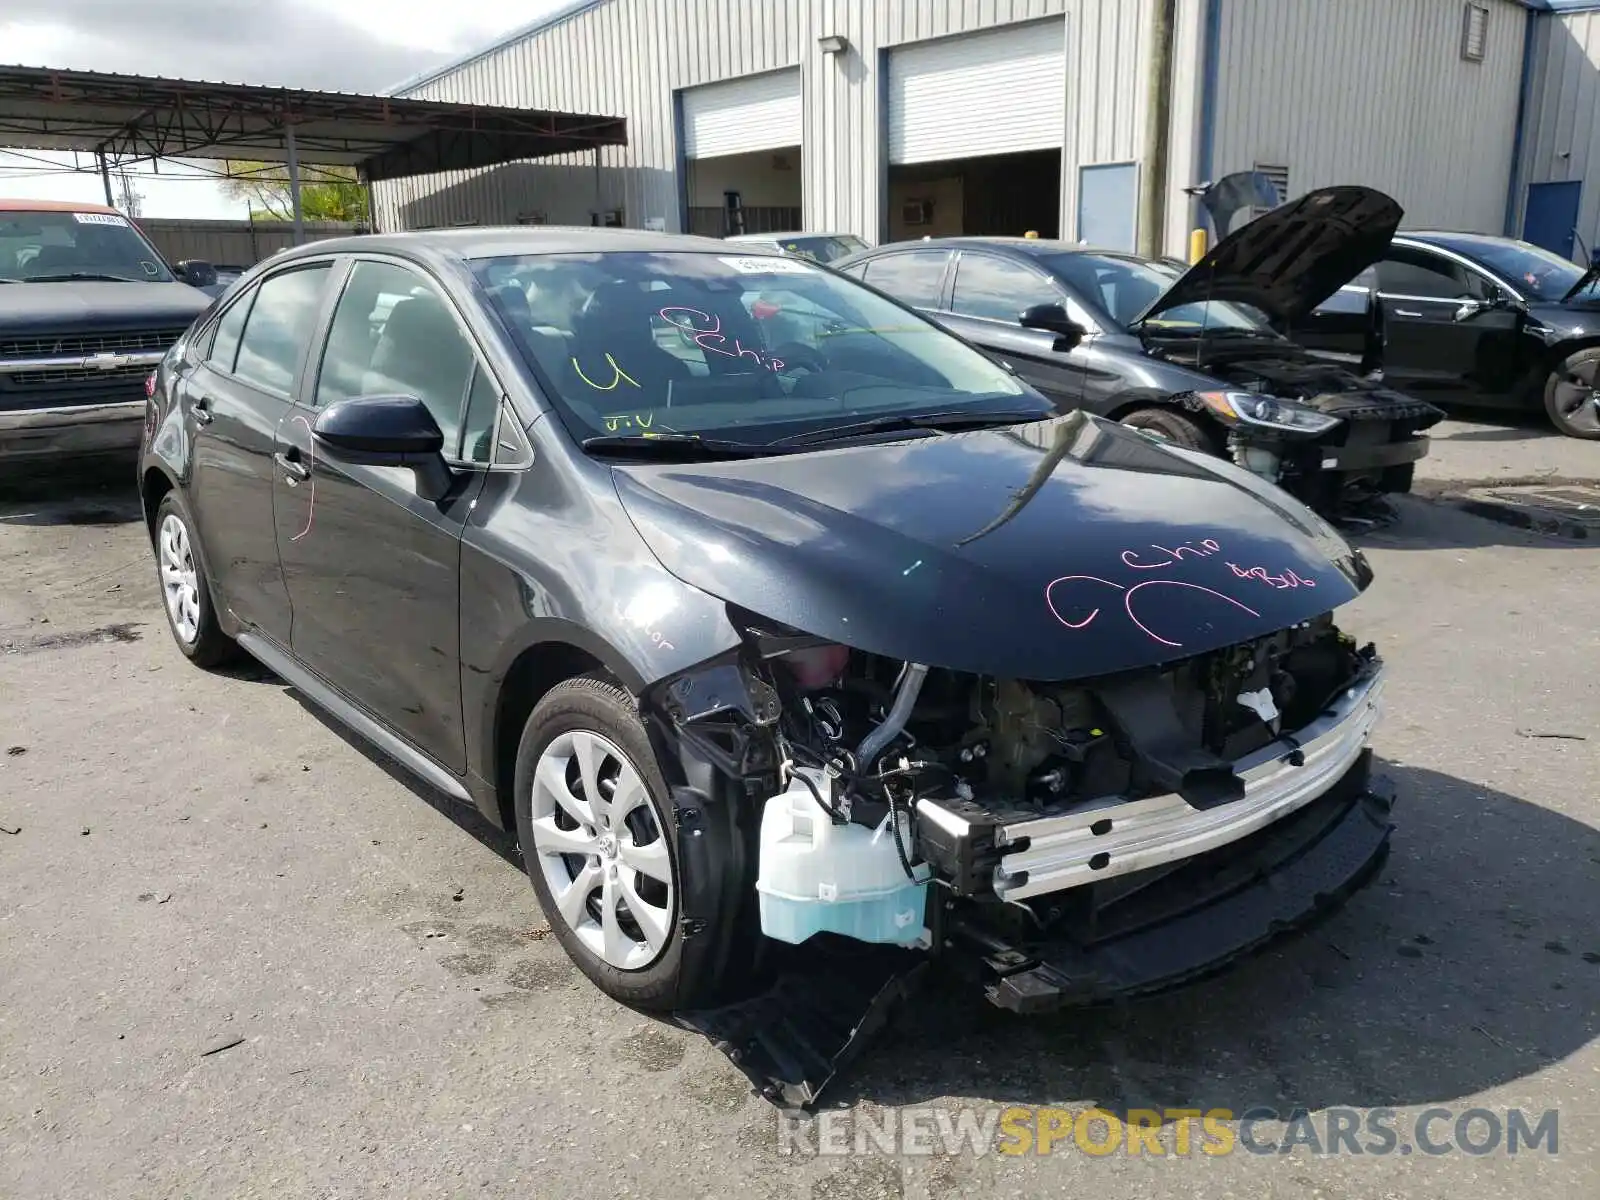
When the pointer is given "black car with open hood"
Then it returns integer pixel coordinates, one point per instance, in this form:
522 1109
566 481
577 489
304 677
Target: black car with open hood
1193 354
777 623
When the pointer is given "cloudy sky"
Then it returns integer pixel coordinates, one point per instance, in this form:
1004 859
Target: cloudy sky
355 46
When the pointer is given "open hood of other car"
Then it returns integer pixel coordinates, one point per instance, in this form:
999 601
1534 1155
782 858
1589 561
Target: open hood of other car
1291 259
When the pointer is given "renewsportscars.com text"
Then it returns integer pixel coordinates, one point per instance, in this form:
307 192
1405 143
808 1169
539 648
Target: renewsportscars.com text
1172 1132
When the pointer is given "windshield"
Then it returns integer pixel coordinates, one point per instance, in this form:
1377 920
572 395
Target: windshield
1532 270
1122 287
745 347
41 247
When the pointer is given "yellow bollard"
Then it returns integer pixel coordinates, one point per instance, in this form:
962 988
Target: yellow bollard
1197 245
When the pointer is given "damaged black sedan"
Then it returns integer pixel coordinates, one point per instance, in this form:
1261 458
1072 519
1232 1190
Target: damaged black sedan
1192 355
766 613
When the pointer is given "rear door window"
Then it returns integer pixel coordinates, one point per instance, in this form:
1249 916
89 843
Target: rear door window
280 323
1423 275
913 277
225 339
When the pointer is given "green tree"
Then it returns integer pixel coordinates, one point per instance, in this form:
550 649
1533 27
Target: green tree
326 193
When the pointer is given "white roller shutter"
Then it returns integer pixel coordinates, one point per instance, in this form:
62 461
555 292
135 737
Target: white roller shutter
759 112
996 92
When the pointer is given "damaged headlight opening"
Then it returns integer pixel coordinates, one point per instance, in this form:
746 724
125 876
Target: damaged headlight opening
1253 410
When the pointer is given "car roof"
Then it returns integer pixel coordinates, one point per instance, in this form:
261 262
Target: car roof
1037 247
510 240
778 237
10 205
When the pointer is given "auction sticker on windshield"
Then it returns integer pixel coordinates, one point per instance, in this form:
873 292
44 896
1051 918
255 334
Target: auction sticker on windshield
99 219
762 265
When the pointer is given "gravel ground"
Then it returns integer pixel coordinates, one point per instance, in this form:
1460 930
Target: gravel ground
201 862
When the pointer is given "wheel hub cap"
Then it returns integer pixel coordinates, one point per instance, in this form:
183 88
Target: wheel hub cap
180 579
600 847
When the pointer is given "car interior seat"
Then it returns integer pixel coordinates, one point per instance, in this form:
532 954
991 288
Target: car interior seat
52 260
421 353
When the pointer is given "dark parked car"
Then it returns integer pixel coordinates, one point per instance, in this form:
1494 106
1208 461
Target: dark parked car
751 640
87 309
1473 320
1189 355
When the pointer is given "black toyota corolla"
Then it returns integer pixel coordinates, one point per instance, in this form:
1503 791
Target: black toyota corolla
764 610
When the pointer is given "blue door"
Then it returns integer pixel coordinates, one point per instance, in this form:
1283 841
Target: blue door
1552 217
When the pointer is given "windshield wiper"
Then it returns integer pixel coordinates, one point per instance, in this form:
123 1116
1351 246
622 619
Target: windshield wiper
958 419
68 276
671 445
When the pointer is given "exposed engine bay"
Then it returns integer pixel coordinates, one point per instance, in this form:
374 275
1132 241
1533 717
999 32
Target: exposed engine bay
911 751
1067 842
1342 465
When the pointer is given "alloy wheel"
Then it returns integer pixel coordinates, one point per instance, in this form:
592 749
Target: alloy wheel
600 844
1576 398
180 581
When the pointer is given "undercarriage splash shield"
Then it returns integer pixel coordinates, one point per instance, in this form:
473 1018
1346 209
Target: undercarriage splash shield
815 1019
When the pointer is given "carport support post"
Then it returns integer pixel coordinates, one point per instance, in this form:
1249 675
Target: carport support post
1157 129
294 183
105 176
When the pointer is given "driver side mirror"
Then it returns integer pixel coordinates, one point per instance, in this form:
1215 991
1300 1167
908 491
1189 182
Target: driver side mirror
196 272
387 431
1052 318
1472 307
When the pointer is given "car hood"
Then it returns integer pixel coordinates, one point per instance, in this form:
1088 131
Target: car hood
85 306
1291 259
1060 549
1584 280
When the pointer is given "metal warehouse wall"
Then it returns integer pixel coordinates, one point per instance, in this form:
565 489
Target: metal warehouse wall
626 57
1373 92
1561 133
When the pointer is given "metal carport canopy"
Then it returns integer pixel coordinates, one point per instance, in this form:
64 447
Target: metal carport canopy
127 118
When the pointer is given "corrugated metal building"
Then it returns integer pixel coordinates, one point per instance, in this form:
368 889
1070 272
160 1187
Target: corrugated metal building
895 118
1561 133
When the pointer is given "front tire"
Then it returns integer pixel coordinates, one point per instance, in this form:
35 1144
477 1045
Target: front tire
1572 395
185 595
599 841
1172 426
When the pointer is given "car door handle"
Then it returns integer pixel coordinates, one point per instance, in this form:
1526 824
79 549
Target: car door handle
1406 312
202 411
294 471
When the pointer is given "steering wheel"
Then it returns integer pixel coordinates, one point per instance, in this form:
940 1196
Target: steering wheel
798 357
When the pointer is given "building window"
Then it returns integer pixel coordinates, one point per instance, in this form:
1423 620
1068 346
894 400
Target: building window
1475 32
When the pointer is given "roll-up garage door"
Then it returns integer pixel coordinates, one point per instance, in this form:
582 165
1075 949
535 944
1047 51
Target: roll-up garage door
996 92
758 112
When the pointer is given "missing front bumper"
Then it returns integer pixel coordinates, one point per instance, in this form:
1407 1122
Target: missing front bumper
1197 919
1021 859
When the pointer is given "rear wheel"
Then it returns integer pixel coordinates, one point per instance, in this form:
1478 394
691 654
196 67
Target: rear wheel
185 595
1170 425
595 820
1572 395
